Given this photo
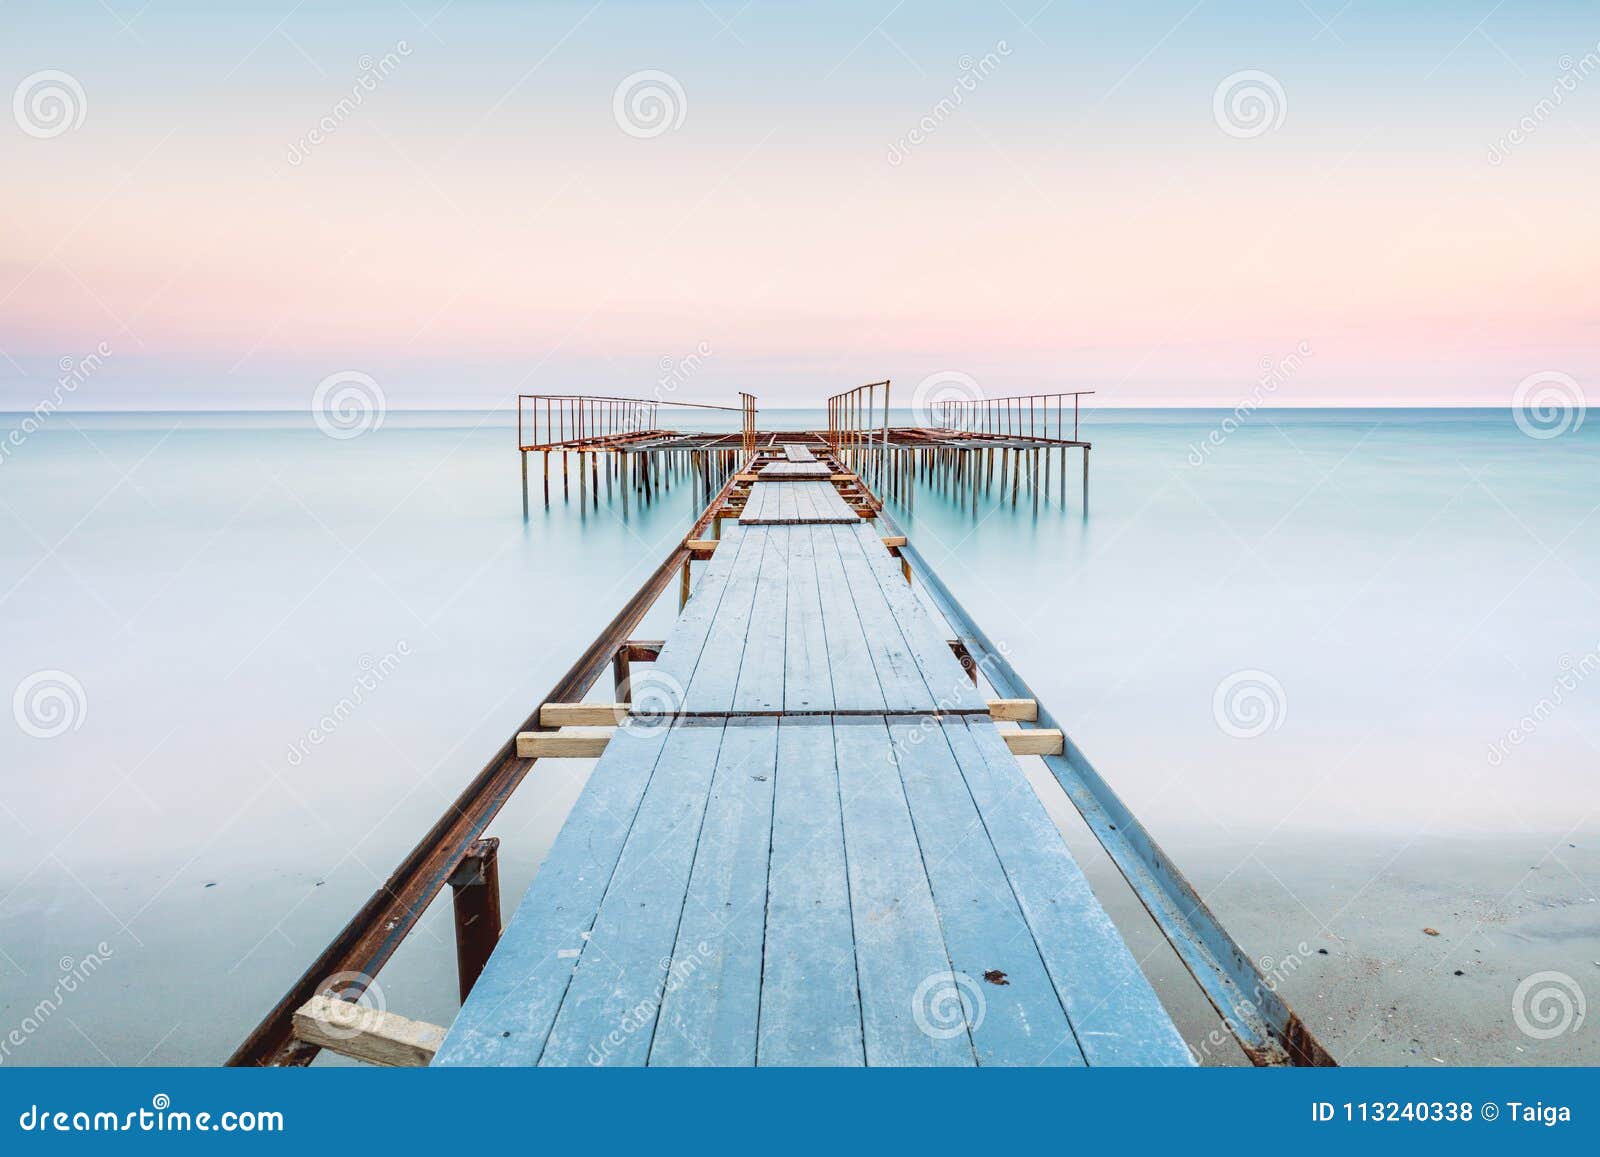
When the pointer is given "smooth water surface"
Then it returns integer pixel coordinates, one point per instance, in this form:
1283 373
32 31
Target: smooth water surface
1332 641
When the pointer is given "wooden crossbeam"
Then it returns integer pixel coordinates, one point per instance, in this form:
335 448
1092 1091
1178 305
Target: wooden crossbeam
366 1034
562 744
701 548
1014 710
582 714
1035 741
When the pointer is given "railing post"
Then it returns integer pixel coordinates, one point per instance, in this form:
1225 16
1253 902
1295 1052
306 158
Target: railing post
475 891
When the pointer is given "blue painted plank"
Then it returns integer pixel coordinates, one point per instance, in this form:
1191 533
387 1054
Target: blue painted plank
899 677
773 503
761 668
1020 1021
1115 1014
950 686
609 1013
674 666
856 686
807 680
810 1014
901 958
711 1008
716 675
507 1018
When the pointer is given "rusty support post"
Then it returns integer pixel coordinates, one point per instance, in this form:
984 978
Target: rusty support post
622 672
683 586
524 455
475 891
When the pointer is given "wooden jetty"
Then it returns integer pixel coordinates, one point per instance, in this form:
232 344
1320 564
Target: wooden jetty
807 839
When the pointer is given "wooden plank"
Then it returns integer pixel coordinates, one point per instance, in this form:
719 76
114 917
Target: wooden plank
608 1014
810 1012
1019 1022
797 452
711 1007
716 674
582 714
1034 741
366 1034
562 744
950 687
680 653
1115 1014
851 671
507 1018
899 675
774 503
807 678
1014 710
761 668
900 950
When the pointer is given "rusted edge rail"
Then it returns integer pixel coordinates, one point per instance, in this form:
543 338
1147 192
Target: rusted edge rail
377 930
1267 1029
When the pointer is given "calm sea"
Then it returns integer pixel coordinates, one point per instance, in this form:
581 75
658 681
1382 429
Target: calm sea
252 663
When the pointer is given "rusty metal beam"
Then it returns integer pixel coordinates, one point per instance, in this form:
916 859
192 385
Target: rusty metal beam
371 937
1269 1031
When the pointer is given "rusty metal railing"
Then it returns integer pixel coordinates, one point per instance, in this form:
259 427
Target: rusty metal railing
1037 417
854 417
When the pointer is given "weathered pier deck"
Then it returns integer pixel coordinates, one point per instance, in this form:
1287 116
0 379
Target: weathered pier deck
813 850
806 838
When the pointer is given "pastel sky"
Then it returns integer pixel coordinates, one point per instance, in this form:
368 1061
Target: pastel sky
835 206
